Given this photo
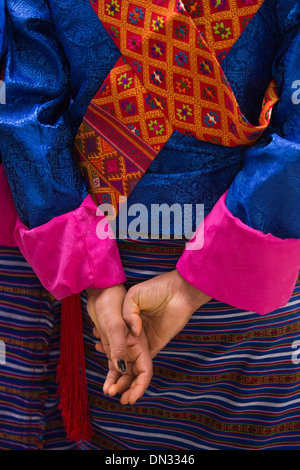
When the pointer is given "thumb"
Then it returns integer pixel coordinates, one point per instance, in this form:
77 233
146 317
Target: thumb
131 311
105 309
115 336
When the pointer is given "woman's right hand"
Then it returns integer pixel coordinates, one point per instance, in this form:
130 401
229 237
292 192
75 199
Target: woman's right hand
161 306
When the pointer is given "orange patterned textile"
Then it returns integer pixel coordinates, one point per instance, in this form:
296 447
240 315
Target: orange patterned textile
168 78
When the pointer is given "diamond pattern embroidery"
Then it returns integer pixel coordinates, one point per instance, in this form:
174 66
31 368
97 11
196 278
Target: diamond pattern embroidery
169 78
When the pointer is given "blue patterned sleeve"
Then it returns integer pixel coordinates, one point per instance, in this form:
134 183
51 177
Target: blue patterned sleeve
47 93
250 251
265 194
35 133
2 30
57 55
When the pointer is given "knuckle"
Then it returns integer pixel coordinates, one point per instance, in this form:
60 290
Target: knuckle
132 291
116 327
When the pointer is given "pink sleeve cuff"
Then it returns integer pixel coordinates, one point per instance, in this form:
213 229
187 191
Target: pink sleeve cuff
239 265
8 212
67 255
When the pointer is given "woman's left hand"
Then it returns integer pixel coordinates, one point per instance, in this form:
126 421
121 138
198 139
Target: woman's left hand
134 372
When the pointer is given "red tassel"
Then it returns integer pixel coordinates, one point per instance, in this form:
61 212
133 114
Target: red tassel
71 374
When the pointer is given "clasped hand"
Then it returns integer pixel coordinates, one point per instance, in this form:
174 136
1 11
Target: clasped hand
134 325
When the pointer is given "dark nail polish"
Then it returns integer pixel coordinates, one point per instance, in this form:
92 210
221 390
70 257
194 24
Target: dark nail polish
122 366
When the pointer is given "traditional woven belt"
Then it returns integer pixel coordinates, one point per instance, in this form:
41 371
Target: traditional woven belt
169 77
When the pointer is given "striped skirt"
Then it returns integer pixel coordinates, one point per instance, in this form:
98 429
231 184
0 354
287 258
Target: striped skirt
29 352
229 380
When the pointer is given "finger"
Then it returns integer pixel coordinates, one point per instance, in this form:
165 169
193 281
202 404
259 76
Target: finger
126 395
105 309
143 371
123 383
99 347
105 347
112 378
136 390
116 334
131 311
96 333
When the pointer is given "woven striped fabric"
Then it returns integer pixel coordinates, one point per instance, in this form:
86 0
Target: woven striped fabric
29 335
229 380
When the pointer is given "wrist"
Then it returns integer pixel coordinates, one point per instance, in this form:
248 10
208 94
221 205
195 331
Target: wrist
194 296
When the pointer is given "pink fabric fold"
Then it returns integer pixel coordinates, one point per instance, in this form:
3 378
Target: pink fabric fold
67 255
239 265
8 213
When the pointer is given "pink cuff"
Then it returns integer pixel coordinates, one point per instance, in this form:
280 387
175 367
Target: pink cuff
239 265
67 255
8 213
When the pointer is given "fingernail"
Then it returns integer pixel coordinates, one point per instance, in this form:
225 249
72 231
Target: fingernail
122 366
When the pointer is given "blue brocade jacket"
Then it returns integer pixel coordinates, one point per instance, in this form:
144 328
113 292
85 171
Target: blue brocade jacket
56 54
